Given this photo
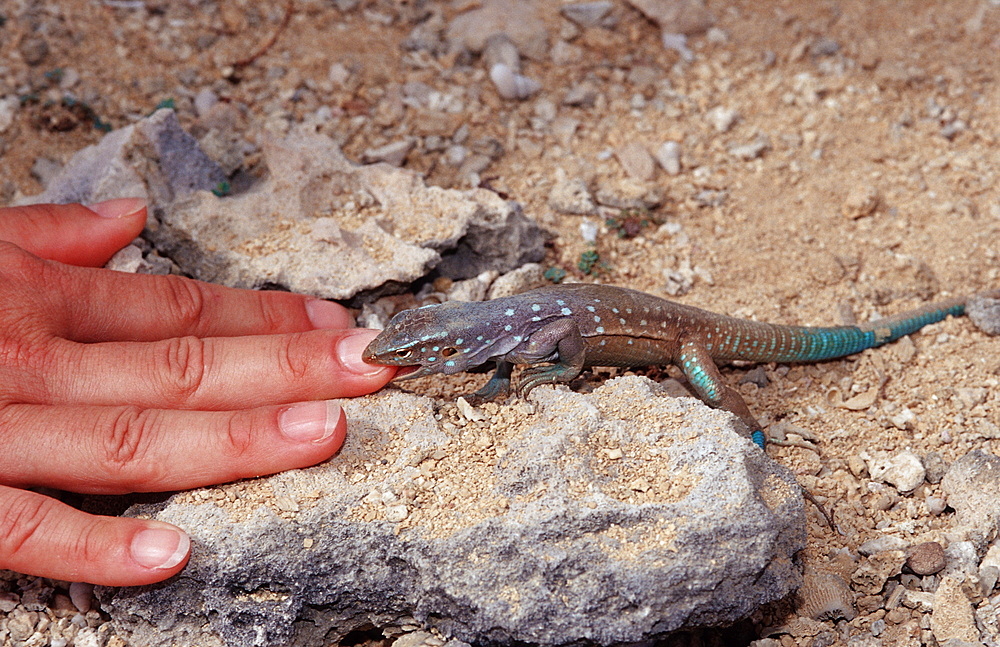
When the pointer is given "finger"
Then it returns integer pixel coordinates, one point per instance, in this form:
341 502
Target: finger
214 373
114 450
44 537
97 305
73 233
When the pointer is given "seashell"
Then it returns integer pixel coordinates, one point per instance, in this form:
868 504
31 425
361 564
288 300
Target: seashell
511 85
825 596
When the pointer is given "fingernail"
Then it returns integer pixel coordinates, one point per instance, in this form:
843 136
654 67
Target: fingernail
328 315
309 421
161 547
350 348
118 207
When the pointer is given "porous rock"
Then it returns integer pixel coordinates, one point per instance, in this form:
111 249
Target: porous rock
953 615
984 311
903 470
972 487
316 224
676 16
153 159
525 27
605 518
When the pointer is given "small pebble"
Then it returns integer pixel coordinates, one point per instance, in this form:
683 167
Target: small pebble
500 50
723 119
751 151
586 14
34 49
8 601
860 202
678 43
582 95
668 155
824 47
393 153
882 544
926 558
588 231
511 85
571 196
985 314
902 470
935 505
204 101
636 161
935 467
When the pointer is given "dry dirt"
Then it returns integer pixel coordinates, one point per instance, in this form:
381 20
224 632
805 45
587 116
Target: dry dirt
876 190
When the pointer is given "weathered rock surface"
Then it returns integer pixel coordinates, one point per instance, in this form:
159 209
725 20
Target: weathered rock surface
676 16
972 487
321 225
610 517
153 159
317 224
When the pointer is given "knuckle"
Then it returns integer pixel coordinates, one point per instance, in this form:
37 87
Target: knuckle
180 365
240 432
273 315
294 356
127 437
185 301
22 520
24 365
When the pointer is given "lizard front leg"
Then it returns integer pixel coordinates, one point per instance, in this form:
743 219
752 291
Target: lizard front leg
701 371
559 342
498 386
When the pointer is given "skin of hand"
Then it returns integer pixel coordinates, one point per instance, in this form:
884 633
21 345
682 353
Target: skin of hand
113 383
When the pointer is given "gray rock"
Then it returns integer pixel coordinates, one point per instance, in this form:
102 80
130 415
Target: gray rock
511 85
527 277
676 16
604 518
882 544
903 470
582 95
985 313
393 153
152 159
586 14
500 49
972 487
316 224
526 26
668 155
752 150
571 195
636 161
627 193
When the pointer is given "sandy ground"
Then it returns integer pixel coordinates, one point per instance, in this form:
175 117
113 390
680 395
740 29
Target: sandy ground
838 160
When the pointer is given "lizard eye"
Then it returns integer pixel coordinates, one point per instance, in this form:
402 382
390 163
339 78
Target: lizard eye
448 352
403 353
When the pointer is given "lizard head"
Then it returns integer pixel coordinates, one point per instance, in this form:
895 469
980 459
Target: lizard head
439 338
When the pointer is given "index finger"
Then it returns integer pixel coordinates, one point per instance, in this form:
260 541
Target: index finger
91 305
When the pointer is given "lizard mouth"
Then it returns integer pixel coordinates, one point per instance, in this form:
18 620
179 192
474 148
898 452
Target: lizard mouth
410 372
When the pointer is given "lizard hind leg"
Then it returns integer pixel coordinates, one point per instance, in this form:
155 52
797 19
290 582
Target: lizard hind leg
700 370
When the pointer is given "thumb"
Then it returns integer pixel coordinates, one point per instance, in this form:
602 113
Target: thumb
73 233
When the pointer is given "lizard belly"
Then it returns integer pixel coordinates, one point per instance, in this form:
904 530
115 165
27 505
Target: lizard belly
627 351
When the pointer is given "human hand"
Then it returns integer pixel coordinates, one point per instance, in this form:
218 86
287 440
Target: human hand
113 383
